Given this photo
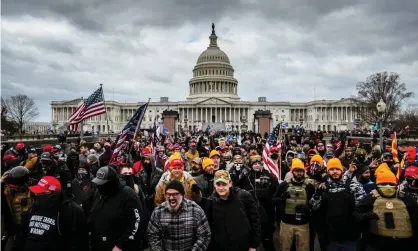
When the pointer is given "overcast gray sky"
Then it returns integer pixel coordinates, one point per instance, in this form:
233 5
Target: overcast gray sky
63 49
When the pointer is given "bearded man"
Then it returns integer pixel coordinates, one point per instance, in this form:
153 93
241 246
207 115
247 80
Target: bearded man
178 223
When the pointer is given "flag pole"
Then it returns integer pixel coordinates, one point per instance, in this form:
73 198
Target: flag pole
107 118
82 124
281 147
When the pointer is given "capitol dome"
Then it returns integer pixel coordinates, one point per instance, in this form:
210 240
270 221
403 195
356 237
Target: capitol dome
213 75
213 54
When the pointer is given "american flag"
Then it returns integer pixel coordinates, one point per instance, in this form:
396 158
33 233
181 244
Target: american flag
129 131
338 145
269 165
92 106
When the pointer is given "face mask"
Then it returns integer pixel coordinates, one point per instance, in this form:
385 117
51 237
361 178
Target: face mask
110 188
83 175
274 156
129 179
361 158
314 168
363 179
387 191
238 167
48 200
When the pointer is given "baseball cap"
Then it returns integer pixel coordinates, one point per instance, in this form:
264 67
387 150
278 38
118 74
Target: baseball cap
411 171
46 156
31 150
46 184
329 154
105 174
176 162
274 149
222 176
47 148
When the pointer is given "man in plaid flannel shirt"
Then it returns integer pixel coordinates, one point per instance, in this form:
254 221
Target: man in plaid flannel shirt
178 224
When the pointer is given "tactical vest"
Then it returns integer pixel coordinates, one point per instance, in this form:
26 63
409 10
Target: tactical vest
395 206
298 196
19 203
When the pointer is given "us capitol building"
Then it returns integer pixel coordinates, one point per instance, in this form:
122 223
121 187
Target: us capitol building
213 101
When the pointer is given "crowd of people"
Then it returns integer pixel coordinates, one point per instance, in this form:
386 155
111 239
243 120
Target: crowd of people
211 191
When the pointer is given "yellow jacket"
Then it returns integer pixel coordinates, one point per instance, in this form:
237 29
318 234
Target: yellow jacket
31 163
187 183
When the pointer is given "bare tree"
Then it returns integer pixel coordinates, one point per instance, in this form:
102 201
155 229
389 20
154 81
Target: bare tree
21 109
6 124
407 118
385 86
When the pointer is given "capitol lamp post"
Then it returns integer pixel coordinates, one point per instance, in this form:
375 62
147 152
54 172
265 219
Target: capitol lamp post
244 127
185 124
301 124
381 108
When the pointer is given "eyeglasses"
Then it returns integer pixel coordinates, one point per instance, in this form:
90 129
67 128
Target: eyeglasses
174 195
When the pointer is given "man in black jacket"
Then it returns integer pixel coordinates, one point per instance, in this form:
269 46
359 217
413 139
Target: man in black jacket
149 176
51 167
82 188
233 217
263 188
115 220
54 222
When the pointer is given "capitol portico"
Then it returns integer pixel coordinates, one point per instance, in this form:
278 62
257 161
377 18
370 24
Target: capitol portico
213 100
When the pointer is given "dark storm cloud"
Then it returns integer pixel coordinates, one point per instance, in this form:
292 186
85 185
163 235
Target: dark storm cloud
60 46
77 12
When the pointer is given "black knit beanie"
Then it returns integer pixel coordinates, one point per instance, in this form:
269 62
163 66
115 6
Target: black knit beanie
361 169
176 185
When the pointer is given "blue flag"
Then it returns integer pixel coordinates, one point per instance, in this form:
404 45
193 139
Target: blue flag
129 131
